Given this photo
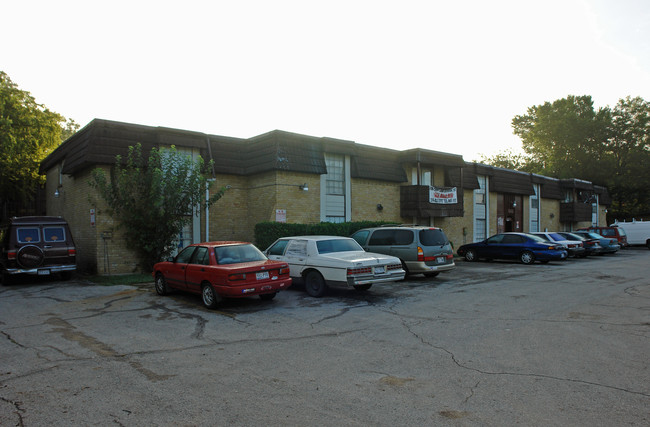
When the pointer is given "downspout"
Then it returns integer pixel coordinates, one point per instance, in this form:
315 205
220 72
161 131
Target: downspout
418 182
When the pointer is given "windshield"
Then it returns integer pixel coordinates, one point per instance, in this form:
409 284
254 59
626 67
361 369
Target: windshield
337 245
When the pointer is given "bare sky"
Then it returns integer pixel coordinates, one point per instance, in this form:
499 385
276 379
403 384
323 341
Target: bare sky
439 75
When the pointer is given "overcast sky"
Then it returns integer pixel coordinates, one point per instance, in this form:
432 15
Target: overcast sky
439 75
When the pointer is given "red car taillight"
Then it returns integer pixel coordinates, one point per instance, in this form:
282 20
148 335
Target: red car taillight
11 254
236 277
420 254
394 267
360 270
284 270
72 252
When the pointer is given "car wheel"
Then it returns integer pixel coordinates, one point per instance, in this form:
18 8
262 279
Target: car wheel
470 255
161 285
363 287
315 284
431 274
527 257
268 297
209 296
406 269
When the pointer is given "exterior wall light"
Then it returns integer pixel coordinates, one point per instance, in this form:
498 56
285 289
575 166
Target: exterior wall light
304 187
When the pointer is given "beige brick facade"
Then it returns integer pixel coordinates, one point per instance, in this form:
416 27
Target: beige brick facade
263 177
100 246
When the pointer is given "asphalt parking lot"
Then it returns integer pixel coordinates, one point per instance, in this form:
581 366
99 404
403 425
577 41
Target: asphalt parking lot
495 343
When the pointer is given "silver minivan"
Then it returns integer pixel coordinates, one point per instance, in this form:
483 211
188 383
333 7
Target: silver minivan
422 250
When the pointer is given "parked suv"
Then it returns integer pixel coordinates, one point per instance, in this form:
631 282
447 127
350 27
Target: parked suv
611 232
421 249
40 245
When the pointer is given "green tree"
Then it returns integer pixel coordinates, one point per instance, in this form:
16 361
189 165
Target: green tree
28 133
568 138
508 159
565 138
152 199
629 147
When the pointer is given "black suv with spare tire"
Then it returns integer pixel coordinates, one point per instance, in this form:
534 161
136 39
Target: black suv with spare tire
38 245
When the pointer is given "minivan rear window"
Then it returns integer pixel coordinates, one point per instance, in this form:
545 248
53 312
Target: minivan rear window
28 235
433 237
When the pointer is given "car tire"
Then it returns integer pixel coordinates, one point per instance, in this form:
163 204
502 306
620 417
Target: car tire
406 269
315 284
161 285
210 298
470 255
363 287
431 274
527 257
268 297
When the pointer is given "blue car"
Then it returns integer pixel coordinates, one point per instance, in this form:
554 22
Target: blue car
520 246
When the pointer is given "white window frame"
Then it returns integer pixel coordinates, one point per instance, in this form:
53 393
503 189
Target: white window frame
535 213
346 197
481 213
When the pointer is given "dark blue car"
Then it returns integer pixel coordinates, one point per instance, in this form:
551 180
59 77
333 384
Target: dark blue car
521 246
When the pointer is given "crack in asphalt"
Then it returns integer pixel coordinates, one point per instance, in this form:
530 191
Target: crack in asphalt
13 341
70 333
17 410
341 312
518 374
471 390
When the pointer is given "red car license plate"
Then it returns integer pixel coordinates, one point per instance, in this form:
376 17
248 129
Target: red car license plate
261 276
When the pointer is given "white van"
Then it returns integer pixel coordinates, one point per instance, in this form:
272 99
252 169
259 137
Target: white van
638 232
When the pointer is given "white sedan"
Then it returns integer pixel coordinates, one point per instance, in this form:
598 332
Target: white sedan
322 261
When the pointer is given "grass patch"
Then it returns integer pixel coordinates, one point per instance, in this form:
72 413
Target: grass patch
122 279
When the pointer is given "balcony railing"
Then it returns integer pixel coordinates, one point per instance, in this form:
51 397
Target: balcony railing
414 202
575 212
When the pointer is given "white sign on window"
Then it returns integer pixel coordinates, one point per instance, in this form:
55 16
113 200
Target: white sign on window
444 196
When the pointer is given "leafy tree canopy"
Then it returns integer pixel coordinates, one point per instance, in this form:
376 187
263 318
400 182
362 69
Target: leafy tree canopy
569 138
28 133
153 198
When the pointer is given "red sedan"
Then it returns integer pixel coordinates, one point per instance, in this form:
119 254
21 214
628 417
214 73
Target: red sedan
218 270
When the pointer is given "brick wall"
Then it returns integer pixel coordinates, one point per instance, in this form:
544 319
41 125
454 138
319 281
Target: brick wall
95 254
253 199
367 194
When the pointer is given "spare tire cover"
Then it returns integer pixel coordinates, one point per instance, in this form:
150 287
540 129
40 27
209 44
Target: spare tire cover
30 256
